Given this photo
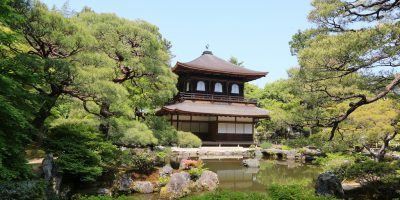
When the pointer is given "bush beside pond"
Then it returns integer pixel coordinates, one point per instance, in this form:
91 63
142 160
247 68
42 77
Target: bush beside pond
188 140
274 192
23 190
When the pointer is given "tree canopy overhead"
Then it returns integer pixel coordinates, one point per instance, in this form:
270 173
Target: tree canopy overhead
79 73
354 46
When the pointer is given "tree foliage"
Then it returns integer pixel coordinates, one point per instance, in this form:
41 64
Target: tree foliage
80 150
60 68
351 40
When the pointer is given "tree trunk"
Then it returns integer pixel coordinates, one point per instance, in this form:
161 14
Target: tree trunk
42 115
105 113
380 155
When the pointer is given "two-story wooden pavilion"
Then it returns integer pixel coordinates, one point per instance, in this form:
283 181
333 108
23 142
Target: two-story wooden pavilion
210 102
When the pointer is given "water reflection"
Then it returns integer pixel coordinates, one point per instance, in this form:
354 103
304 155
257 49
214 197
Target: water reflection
233 176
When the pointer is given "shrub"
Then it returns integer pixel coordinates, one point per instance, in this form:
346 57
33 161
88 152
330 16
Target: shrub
333 160
196 171
228 195
137 135
163 180
162 156
100 197
334 146
266 145
292 192
162 130
298 142
23 190
138 161
188 139
285 147
80 149
369 171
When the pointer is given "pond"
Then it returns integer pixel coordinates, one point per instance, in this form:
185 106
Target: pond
234 176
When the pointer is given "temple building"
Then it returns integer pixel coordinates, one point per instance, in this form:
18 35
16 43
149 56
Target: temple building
211 102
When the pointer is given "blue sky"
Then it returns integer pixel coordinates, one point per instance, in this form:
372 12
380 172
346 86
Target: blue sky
257 32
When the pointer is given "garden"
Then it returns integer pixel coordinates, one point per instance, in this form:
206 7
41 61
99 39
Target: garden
79 92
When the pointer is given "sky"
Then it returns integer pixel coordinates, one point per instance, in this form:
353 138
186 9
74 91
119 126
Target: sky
256 32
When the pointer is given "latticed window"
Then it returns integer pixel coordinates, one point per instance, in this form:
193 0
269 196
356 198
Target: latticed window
201 86
235 89
218 87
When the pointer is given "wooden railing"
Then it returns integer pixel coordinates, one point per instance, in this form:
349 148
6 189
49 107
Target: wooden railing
215 97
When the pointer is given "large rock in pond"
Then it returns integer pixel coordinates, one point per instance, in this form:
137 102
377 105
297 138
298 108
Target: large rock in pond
258 154
144 187
103 192
329 185
166 171
208 181
251 163
125 182
178 186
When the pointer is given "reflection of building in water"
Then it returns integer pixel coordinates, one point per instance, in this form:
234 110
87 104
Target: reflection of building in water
233 176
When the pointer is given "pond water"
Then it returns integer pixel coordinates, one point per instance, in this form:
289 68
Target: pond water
234 176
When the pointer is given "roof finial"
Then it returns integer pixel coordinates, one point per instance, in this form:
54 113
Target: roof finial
207 51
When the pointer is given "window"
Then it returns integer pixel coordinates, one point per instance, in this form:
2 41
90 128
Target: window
235 89
187 86
218 87
201 86
232 128
248 128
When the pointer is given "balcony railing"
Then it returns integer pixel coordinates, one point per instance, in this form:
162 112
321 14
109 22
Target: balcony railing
215 97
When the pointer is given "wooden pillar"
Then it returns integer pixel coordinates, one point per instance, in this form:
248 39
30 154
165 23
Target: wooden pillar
177 121
227 88
190 123
209 87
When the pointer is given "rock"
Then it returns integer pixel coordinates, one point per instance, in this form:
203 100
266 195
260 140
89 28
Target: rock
258 154
308 158
313 152
159 148
208 181
52 177
329 185
144 187
166 170
103 192
178 186
251 163
47 166
125 182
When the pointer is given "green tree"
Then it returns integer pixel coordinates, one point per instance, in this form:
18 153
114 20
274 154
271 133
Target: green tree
80 150
235 61
373 124
252 91
17 104
45 42
292 109
354 40
125 73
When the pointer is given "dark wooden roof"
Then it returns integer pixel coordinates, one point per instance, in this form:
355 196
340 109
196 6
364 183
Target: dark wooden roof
215 108
208 63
